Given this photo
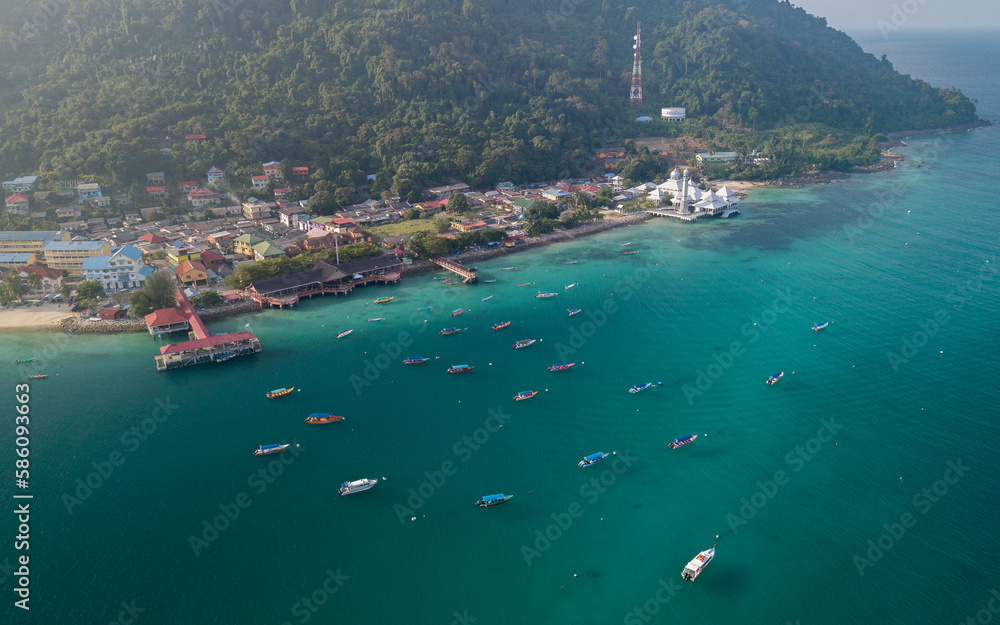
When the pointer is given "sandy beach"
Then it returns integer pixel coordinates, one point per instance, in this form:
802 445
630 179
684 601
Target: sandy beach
45 317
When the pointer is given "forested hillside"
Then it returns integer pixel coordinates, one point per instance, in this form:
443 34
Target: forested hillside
419 91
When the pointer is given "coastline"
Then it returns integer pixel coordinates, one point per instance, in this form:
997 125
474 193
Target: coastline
51 319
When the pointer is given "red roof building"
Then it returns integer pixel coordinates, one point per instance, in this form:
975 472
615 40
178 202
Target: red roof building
152 238
211 259
211 341
166 320
187 186
300 171
17 203
195 137
156 191
111 313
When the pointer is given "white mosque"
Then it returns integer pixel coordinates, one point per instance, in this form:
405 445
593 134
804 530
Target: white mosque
688 202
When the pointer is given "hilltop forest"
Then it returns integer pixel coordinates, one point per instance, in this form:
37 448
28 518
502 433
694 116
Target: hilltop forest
423 92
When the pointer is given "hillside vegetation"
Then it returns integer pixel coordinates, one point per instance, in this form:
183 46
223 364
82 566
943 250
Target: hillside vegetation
420 92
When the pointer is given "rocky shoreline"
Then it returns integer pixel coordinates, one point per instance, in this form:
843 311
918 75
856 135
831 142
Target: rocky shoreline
83 326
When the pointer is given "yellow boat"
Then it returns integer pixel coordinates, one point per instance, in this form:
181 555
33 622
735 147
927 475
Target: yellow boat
280 392
383 300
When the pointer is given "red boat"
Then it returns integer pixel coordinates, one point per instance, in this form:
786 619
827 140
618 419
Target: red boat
457 312
323 418
501 326
561 366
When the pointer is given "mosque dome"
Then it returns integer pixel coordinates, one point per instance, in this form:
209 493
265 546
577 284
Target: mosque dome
675 175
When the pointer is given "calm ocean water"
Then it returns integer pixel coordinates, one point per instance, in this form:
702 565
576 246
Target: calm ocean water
796 478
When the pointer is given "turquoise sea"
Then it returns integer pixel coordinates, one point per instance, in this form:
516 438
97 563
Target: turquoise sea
862 488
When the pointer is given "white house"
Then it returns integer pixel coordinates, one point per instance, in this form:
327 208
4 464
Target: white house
716 157
673 114
123 270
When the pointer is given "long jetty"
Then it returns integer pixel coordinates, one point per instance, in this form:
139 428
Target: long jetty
468 275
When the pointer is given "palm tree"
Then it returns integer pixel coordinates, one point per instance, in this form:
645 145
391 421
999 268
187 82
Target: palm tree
34 282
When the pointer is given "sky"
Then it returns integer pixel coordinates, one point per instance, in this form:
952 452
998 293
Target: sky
850 15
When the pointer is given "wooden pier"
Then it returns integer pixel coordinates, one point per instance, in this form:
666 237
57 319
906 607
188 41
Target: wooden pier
201 347
468 275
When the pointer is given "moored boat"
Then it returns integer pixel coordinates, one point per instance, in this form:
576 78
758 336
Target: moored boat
376 318
457 312
698 564
572 311
683 440
487 298
461 368
424 308
225 356
489 281
507 268
280 392
349 488
626 244
524 343
570 286
493 500
546 294
820 326
415 360
593 458
524 284
570 262
263 450
343 333
525 395
561 366
38 376
448 331
323 417
627 253
638 388
383 300
775 377
24 360
501 325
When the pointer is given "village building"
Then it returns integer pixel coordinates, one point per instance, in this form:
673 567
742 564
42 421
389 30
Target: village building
300 172
87 190
195 137
255 210
22 184
177 255
17 259
259 182
156 192
187 186
122 270
216 176
101 201
70 255
17 204
51 279
715 157
673 114
156 178
265 250
244 243
202 198
191 273
272 170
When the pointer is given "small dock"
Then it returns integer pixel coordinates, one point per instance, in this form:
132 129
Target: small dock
201 347
662 212
468 275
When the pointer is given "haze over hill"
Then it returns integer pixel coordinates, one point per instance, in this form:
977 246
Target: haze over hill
420 91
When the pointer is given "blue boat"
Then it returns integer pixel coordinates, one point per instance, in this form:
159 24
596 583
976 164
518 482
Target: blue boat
684 440
493 500
415 360
775 377
593 458
572 311
424 308
226 356
487 298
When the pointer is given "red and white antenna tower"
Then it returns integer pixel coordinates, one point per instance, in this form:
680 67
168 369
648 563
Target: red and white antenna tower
635 95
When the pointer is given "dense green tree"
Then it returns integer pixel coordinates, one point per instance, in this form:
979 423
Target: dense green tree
161 287
141 304
90 290
457 203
